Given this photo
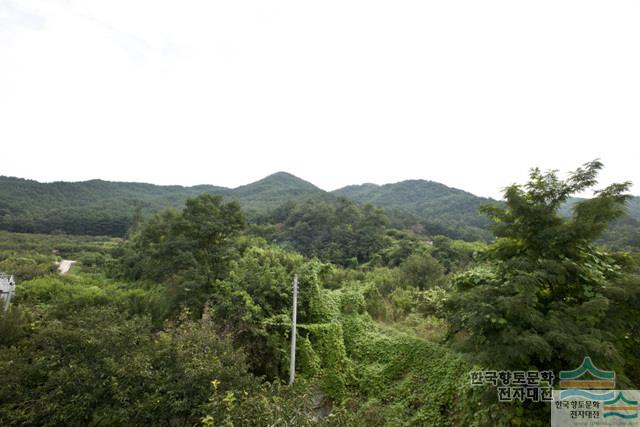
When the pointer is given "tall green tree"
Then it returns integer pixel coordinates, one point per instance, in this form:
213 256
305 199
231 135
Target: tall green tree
540 300
211 228
188 250
201 238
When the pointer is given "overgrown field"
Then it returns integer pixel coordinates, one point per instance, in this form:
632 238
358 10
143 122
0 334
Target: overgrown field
187 321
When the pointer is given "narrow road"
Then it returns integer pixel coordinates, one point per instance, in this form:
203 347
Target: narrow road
65 265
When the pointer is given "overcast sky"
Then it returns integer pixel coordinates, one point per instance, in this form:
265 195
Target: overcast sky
467 93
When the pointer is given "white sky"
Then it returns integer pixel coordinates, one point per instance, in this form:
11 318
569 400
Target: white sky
467 93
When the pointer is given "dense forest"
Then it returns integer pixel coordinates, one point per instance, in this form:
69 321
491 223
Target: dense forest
100 207
112 208
180 313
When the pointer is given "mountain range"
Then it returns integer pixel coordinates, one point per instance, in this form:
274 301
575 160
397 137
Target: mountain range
104 207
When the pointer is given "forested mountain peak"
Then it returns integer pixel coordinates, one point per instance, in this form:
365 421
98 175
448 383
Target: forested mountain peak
282 180
102 207
412 188
447 210
273 190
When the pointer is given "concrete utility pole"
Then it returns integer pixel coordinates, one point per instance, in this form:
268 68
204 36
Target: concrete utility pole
294 318
7 289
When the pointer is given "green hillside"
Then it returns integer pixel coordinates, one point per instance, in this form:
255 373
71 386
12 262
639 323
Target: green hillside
623 233
107 208
440 209
186 320
91 207
274 190
99 207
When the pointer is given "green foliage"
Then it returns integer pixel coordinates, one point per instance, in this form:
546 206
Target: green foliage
273 404
200 239
93 207
623 320
404 380
429 207
110 208
455 255
402 244
27 256
540 302
25 266
274 190
623 233
84 352
14 326
62 296
255 299
421 271
187 250
193 327
327 340
338 231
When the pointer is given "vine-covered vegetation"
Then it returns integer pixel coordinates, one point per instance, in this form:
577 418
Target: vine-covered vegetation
187 319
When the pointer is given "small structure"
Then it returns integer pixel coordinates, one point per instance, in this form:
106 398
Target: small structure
7 289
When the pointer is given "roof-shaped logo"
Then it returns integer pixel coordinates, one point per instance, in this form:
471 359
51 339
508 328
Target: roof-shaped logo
621 407
588 376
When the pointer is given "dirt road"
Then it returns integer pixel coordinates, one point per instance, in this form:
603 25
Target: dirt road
65 265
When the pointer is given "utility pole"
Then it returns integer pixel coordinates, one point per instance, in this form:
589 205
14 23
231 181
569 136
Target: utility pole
7 289
294 318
